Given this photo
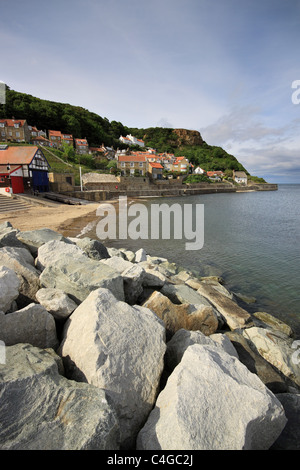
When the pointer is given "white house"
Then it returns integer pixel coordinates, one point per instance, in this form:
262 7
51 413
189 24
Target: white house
199 171
131 140
240 177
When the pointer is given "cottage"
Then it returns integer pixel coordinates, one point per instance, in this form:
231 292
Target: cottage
181 164
215 175
23 169
199 171
240 177
131 140
81 146
131 163
14 130
55 138
155 170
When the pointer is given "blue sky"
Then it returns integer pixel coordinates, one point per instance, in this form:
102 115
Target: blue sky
223 67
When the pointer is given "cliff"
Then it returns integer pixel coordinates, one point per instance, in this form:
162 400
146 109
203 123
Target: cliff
188 137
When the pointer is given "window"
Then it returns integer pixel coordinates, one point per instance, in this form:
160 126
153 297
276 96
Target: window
17 126
17 134
132 164
123 164
141 164
1 124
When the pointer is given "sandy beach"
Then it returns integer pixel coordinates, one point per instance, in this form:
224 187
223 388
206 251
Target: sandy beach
53 217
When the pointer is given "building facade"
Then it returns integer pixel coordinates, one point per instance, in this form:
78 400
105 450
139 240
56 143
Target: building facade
14 130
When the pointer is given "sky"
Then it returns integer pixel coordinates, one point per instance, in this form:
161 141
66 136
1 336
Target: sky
223 67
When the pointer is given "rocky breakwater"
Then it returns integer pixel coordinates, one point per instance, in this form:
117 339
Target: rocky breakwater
110 349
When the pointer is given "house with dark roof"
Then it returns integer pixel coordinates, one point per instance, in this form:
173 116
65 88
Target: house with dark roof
23 169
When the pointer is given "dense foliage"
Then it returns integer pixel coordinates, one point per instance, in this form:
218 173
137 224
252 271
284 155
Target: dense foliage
82 123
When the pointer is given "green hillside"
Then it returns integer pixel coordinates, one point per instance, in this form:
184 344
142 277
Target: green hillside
82 123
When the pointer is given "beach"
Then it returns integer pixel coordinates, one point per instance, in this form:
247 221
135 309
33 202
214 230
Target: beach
52 217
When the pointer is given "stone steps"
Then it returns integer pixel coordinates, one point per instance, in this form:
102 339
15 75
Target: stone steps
9 204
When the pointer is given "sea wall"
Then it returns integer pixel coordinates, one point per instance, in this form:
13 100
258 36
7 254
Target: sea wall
106 191
110 349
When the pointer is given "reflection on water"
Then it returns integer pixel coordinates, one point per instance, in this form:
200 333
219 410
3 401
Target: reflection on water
250 239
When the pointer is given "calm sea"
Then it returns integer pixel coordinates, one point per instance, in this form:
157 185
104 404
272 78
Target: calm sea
251 239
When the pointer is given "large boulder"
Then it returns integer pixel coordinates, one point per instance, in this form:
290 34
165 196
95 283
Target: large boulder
42 410
22 263
9 288
119 347
56 302
54 250
33 239
32 324
256 363
187 316
78 276
277 348
182 339
235 316
212 402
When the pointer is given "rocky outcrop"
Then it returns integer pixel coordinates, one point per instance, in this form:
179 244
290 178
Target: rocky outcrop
124 345
188 137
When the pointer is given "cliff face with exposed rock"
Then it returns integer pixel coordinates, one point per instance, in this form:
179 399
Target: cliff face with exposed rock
188 137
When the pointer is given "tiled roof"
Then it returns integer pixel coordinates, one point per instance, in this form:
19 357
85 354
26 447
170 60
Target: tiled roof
55 133
12 122
21 155
131 158
155 165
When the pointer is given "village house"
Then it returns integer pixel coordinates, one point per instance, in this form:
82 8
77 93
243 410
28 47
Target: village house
215 175
67 139
81 146
181 165
14 130
23 169
155 170
240 177
131 140
55 138
128 164
199 171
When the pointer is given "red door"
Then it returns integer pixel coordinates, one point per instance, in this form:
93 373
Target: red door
17 184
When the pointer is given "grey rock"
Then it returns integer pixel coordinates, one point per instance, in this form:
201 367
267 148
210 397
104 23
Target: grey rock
277 348
182 293
256 363
117 263
140 255
22 263
182 339
79 276
9 288
133 283
9 238
32 324
93 248
115 252
212 402
289 439
56 302
51 252
33 239
119 347
42 410
235 316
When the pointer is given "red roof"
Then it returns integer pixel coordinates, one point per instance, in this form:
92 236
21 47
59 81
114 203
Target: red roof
81 141
155 165
12 122
132 158
19 155
55 133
